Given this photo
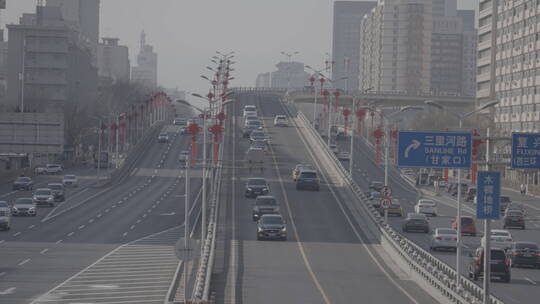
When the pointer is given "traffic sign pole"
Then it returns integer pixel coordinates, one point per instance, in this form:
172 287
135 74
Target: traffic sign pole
458 243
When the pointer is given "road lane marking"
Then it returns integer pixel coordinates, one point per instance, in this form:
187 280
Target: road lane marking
43 251
91 220
58 242
138 221
2 241
49 216
124 235
71 233
31 226
530 281
99 215
16 234
81 226
23 262
2 274
7 291
133 226
340 204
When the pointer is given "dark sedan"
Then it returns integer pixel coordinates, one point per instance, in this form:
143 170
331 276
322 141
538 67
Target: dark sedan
524 254
415 222
256 186
23 183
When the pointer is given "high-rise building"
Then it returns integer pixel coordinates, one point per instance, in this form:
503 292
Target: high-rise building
146 70
419 46
263 80
113 61
396 46
346 42
509 63
289 75
3 66
48 64
83 15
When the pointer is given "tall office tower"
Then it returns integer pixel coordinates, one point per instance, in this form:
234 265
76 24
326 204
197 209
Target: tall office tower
346 39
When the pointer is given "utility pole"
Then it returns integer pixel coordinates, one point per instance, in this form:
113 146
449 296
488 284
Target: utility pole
186 223
99 148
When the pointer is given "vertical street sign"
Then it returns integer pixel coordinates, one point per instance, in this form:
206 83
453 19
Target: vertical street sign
488 195
434 149
525 151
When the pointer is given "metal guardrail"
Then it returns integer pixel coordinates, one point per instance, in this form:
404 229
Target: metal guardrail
201 292
437 273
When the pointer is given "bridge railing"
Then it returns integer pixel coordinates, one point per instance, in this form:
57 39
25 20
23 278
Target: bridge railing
437 273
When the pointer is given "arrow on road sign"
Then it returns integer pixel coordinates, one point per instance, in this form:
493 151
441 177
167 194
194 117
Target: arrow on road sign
386 191
386 202
415 145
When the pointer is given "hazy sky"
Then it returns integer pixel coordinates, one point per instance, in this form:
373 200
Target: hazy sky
186 33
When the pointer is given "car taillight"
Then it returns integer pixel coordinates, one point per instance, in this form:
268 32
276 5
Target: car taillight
476 260
439 238
517 253
507 261
508 240
455 239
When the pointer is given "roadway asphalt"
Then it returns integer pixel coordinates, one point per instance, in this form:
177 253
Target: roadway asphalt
523 287
40 252
324 260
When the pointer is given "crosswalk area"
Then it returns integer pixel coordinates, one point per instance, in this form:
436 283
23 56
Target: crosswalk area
138 272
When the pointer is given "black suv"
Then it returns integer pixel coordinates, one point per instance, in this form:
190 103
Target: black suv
256 186
500 264
23 183
58 191
415 222
514 218
271 226
524 253
307 180
264 204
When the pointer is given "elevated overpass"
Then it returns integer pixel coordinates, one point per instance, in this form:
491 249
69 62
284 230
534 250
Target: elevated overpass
386 99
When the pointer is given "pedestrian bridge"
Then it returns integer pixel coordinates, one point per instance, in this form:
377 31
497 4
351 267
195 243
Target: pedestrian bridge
385 99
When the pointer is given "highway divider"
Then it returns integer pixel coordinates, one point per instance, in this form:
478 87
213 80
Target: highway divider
439 278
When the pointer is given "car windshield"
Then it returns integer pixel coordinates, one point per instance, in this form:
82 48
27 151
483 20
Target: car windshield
505 199
23 179
498 255
467 221
272 220
514 213
266 201
163 134
308 175
3 204
55 187
43 192
24 201
69 177
446 231
500 233
257 134
254 123
526 245
257 182
417 216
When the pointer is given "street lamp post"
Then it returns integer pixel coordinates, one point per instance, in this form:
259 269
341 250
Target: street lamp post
458 216
353 128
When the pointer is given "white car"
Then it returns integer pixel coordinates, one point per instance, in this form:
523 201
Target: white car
281 121
53 169
184 156
344 155
70 180
250 110
499 239
426 206
443 238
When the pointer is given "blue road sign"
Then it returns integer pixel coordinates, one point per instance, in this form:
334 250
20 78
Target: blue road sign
488 195
525 151
434 149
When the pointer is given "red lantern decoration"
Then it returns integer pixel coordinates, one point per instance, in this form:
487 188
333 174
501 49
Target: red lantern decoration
122 132
394 136
360 114
378 134
336 96
346 112
221 117
325 95
216 130
193 129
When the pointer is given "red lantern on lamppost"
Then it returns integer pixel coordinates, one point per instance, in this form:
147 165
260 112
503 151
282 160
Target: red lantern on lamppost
378 134
346 112
311 81
193 129
113 130
216 130
325 95
322 80
360 114
394 136
372 114
474 166
103 127
336 96
221 117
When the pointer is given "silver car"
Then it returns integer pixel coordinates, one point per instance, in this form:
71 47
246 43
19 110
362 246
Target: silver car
43 196
70 180
443 238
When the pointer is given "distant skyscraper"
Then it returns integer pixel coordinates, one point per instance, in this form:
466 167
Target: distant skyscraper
289 74
83 14
113 61
263 80
146 70
346 39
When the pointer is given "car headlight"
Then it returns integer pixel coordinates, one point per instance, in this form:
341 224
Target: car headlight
50 198
284 229
15 208
265 189
249 189
32 208
34 197
259 229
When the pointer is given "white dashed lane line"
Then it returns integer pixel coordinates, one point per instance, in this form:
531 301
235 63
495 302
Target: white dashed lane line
81 227
58 242
16 234
2 241
43 251
23 262
71 233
